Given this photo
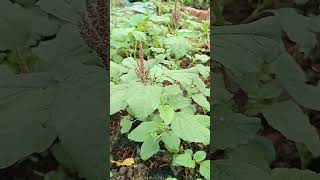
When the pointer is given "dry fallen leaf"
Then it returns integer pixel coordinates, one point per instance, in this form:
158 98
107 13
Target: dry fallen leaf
126 162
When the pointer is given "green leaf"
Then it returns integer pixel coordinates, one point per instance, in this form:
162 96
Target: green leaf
185 76
139 36
125 124
118 96
24 27
199 156
202 101
178 101
259 152
172 89
292 78
289 119
144 100
202 57
186 127
251 45
221 93
166 113
203 119
64 52
149 147
234 170
140 133
83 112
252 85
179 46
184 160
65 10
24 129
203 70
171 141
232 129
205 169
297 30
116 70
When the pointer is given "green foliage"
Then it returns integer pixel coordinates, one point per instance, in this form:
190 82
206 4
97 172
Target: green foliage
63 87
163 105
252 58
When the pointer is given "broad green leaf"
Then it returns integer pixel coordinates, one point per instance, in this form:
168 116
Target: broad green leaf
172 89
125 124
186 127
171 141
205 169
203 119
251 45
202 57
166 113
143 100
156 71
252 85
25 128
129 62
220 92
179 46
297 30
65 10
201 86
139 36
24 27
118 97
232 129
178 101
292 78
202 101
84 112
140 133
185 76
149 147
235 170
203 70
289 119
199 156
116 70
184 160
67 50
259 152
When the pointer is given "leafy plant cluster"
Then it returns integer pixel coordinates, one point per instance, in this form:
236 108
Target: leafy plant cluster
252 63
159 77
52 88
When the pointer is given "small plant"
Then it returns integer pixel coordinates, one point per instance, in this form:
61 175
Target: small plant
165 102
